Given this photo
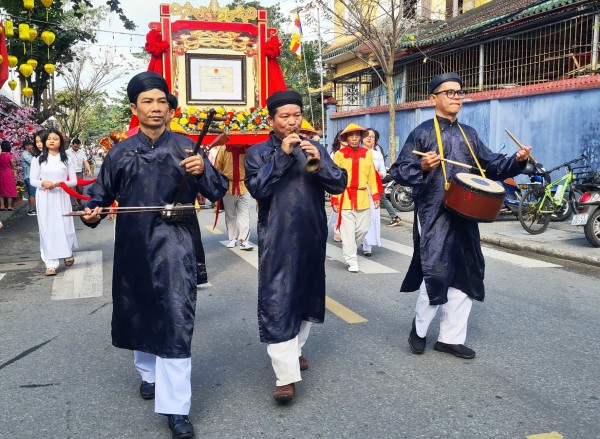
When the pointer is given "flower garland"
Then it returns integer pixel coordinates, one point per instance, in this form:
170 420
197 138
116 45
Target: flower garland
191 119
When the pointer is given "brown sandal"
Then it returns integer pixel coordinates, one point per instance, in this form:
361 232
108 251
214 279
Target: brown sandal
50 271
69 261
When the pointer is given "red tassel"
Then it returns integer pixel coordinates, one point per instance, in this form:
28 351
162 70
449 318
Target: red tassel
218 208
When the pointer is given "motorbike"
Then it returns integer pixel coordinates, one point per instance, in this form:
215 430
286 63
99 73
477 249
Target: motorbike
400 196
588 210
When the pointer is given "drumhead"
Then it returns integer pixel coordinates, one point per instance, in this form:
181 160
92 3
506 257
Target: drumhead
478 183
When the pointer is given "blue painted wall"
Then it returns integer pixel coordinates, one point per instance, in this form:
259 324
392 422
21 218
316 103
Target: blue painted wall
559 126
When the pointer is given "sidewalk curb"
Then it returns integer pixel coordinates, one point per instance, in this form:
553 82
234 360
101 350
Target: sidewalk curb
546 250
538 248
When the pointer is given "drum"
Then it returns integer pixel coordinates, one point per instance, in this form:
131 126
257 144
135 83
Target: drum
474 197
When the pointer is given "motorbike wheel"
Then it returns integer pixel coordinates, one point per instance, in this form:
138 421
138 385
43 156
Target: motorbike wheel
592 229
401 200
530 218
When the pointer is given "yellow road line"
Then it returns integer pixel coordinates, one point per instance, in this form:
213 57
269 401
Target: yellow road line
342 312
551 435
211 230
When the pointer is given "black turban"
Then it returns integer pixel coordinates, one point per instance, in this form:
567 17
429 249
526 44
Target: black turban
143 82
445 77
173 102
281 98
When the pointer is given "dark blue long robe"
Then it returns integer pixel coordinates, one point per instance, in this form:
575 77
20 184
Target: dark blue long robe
447 253
154 274
292 236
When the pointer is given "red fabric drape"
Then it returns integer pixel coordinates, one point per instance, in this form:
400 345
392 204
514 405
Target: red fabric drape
155 46
273 50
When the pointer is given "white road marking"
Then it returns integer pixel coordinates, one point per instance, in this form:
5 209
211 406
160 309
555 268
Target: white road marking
521 261
82 280
2 275
250 256
366 266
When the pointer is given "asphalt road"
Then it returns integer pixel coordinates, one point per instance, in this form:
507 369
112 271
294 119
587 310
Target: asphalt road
536 337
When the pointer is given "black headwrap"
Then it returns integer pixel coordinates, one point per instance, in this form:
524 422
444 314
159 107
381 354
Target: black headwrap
445 77
281 98
173 102
143 82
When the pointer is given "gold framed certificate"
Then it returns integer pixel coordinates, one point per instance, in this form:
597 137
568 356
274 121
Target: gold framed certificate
215 79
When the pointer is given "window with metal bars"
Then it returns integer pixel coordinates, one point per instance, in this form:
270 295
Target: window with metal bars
554 52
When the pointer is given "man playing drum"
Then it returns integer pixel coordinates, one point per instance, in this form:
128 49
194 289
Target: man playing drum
447 265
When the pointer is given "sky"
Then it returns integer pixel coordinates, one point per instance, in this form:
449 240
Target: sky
115 39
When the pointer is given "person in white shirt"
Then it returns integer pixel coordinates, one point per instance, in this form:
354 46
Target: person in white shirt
79 158
373 236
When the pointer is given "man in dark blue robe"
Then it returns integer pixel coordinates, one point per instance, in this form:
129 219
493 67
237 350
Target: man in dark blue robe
154 275
292 235
447 265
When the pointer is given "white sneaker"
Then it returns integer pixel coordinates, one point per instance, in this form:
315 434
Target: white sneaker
353 268
232 243
246 245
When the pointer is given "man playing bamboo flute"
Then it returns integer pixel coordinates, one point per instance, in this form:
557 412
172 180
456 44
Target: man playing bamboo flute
154 275
447 266
292 235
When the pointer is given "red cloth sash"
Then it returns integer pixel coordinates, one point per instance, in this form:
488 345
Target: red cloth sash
236 151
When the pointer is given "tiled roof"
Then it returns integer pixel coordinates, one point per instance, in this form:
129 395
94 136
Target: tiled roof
491 14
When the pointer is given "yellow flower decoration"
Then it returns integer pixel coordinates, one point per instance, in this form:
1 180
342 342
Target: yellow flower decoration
176 119
247 113
191 109
263 112
250 126
220 110
240 117
183 121
267 128
235 126
202 116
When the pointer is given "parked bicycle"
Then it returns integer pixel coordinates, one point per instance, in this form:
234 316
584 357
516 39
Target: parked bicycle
539 203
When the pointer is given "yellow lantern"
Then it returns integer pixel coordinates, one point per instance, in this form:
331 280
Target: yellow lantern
12 84
27 92
28 4
12 61
24 31
33 63
48 37
49 68
32 34
47 3
26 70
9 29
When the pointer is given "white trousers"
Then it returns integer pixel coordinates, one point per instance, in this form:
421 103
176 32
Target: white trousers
284 356
455 313
237 216
454 318
172 378
50 263
354 227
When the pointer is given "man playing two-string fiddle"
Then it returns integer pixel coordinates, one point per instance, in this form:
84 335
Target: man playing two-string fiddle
447 265
154 275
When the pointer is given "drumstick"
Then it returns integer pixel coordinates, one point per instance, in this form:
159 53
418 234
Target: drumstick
471 168
520 144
